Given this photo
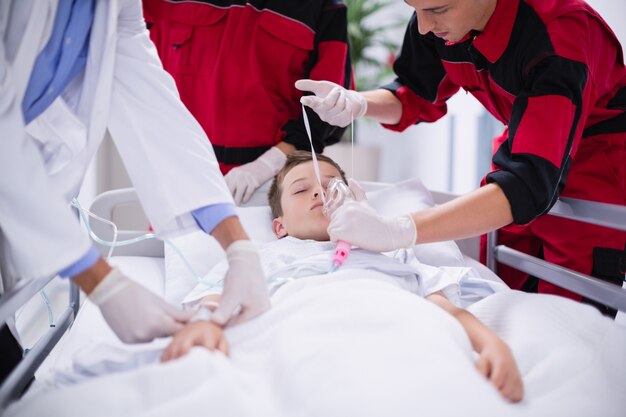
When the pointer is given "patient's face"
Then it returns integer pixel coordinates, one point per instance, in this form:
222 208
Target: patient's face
301 203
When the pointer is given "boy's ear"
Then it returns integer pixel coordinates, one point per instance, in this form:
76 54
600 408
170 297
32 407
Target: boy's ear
279 228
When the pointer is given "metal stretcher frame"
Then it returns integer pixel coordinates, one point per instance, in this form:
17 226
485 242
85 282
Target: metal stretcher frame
17 381
601 214
590 212
103 206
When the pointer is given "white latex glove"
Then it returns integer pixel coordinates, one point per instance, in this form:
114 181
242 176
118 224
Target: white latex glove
135 313
245 292
358 223
333 103
242 181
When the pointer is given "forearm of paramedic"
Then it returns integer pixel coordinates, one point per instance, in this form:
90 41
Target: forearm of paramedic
89 278
82 264
473 214
383 106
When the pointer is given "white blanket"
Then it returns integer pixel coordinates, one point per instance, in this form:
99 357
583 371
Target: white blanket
359 346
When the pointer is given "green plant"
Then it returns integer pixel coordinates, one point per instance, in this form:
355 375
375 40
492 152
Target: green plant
365 36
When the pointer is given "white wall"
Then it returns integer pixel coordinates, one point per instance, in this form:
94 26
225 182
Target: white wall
613 11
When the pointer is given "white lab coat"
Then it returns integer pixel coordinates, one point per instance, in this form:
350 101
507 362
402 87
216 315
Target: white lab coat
123 88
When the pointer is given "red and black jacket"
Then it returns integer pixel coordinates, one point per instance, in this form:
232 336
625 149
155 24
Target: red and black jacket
552 70
235 64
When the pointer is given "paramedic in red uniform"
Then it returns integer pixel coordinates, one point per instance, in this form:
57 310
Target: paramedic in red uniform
235 64
553 72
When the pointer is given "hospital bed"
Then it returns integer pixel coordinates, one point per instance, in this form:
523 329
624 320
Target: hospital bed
150 261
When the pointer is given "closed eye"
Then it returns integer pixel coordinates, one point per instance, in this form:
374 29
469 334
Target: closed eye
438 11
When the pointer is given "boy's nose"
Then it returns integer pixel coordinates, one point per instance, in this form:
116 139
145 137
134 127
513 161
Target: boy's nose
316 194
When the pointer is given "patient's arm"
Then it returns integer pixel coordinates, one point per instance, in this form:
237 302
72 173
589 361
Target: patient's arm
496 360
197 333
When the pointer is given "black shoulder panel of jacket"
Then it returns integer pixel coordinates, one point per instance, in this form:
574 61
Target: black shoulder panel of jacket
418 66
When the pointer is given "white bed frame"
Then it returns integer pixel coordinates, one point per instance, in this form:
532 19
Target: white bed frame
123 204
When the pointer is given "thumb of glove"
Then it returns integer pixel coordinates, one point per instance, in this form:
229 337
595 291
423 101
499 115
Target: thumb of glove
227 310
357 190
179 316
320 88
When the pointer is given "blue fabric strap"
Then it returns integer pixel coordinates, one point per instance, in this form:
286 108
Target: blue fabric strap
63 57
81 265
210 216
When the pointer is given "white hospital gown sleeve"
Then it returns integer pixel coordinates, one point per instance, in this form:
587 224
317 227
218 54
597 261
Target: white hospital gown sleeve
433 279
39 233
167 154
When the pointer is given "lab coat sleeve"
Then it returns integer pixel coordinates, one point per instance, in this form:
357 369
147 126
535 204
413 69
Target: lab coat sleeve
39 233
167 154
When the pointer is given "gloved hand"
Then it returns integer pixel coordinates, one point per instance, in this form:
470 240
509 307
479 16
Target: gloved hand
133 312
333 103
245 292
244 180
358 223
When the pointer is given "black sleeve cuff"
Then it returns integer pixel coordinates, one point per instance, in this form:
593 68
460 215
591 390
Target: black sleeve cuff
392 86
523 206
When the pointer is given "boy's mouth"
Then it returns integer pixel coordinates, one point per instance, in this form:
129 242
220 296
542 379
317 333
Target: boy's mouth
316 205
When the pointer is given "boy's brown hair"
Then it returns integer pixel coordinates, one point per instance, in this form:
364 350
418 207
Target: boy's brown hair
293 160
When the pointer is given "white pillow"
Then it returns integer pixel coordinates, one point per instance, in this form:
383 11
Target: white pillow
188 258
191 256
202 251
399 198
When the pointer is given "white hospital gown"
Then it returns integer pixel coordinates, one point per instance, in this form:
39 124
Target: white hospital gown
289 259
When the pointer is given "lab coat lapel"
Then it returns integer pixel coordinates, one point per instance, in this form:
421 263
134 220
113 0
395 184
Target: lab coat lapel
96 94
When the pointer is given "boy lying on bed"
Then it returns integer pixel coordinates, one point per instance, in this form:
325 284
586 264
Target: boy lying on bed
303 249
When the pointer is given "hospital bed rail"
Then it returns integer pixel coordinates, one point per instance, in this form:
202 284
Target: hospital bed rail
15 383
108 205
601 214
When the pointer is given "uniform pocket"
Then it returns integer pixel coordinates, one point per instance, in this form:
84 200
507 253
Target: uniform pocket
192 40
59 134
282 49
609 151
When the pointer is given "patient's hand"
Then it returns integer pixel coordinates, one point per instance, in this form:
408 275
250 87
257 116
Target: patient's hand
199 333
496 362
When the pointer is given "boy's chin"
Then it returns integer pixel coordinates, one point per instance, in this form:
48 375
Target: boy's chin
318 236
322 236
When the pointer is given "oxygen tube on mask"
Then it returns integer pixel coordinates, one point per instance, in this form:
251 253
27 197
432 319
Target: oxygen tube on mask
336 194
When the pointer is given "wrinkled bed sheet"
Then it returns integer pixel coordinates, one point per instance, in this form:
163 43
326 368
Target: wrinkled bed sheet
356 345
